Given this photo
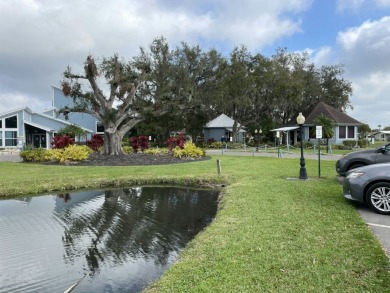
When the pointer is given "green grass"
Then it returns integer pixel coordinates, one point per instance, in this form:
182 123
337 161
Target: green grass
271 234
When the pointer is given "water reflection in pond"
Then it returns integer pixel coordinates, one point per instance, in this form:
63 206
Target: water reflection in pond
117 240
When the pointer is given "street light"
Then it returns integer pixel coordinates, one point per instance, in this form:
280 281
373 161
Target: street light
302 171
257 138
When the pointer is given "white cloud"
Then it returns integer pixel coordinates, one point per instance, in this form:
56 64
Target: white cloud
323 56
383 3
40 38
369 44
348 5
10 101
364 51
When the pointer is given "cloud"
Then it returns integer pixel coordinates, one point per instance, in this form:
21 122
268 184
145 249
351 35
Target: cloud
348 5
369 44
364 50
40 38
10 99
356 6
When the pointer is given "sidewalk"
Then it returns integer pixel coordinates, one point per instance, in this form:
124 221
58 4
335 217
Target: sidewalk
10 157
263 153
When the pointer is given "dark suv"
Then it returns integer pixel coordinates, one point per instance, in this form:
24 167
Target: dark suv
362 158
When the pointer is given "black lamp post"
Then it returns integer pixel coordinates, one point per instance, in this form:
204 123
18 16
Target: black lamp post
257 140
302 170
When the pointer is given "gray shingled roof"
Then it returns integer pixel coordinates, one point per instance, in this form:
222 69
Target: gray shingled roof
222 121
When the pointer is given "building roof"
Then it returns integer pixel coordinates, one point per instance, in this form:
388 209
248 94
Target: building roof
222 121
14 111
337 116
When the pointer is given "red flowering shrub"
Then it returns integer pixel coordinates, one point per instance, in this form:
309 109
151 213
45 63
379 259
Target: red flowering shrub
173 142
96 142
61 142
139 142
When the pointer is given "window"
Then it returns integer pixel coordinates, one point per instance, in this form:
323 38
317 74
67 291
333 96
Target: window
11 122
342 132
351 131
312 131
11 138
1 138
1 123
99 127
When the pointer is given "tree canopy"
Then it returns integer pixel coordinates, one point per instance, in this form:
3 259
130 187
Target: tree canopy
186 86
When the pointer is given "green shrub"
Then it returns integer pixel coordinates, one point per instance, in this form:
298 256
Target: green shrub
216 145
75 153
34 155
349 143
307 145
189 150
363 143
127 149
156 151
70 153
53 155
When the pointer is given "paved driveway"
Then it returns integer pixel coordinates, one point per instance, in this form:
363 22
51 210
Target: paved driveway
10 158
379 224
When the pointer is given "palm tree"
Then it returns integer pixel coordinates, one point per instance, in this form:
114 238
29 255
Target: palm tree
327 128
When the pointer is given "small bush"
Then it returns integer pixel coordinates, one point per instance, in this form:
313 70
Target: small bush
363 143
75 153
349 143
139 142
96 142
127 149
34 155
70 153
53 155
63 141
174 142
308 145
189 150
216 145
156 151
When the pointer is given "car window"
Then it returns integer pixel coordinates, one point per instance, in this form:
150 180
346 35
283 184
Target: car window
387 147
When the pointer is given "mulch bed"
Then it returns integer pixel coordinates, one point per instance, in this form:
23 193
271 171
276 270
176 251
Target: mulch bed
135 159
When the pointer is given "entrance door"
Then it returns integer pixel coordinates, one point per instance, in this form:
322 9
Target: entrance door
39 141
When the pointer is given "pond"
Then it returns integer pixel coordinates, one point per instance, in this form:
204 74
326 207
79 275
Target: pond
117 240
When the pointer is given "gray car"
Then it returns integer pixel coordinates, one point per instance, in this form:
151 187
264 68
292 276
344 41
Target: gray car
369 185
363 158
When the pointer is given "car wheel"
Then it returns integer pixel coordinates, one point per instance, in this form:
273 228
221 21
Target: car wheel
356 165
378 197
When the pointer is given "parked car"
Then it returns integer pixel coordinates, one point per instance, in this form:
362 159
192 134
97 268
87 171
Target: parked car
369 185
363 158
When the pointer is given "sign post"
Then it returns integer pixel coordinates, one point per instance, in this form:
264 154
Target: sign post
319 136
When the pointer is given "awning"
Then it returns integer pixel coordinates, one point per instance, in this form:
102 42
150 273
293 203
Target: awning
38 126
231 130
285 128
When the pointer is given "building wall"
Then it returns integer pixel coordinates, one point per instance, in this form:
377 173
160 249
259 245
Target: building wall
80 119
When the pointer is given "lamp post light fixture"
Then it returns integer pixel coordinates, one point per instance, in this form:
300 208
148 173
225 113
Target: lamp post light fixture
257 139
302 170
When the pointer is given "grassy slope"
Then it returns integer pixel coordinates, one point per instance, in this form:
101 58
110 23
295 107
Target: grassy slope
271 234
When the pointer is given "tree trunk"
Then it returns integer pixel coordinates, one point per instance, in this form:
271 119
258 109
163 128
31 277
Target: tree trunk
112 144
327 145
235 131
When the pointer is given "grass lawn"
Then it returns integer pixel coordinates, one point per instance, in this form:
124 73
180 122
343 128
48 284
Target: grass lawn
271 234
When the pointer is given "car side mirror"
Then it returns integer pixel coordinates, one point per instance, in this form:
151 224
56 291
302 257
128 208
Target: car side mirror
384 151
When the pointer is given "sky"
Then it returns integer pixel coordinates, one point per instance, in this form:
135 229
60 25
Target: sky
40 38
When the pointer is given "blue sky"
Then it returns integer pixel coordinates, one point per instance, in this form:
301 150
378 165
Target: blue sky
39 38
